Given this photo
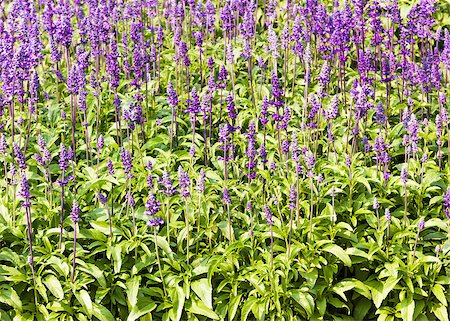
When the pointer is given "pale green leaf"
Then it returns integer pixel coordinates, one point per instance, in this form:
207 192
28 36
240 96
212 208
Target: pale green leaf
204 291
54 286
338 252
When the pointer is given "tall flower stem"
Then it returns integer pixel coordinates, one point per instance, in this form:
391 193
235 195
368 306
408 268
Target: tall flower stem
74 251
290 233
31 258
311 209
61 216
186 217
158 260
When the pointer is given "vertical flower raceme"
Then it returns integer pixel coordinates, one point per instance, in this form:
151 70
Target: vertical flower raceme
184 181
127 162
152 207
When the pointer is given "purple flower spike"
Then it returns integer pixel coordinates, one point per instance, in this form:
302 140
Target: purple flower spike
102 198
75 214
20 158
185 182
268 214
226 199
24 191
421 224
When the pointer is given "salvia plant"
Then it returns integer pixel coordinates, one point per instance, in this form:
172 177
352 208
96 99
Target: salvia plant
224 160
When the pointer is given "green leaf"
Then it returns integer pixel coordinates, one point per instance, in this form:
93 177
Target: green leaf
101 313
380 290
233 306
438 292
440 311
117 257
84 298
132 290
178 302
143 306
204 291
93 270
10 297
407 308
198 307
249 303
54 286
101 226
339 252
305 300
4 316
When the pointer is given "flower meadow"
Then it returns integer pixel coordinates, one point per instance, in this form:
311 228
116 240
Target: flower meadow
224 160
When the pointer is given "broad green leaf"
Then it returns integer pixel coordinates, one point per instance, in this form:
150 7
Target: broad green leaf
84 298
132 290
101 313
198 307
10 297
117 257
380 290
441 312
4 316
93 270
438 291
407 308
246 308
339 252
233 306
143 306
54 286
204 291
305 300
178 302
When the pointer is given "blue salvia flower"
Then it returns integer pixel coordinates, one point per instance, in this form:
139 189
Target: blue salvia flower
268 214
75 213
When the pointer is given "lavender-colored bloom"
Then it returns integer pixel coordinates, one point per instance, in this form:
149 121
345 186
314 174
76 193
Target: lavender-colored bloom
100 143
63 158
268 214
310 160
24 191
166 182
152 207
380 117
387 215
333 110
273 166
264 117
130 200
75 213
226 199
110 167
184 182
251 151
292 197
127 162
201 181
421 224
348 161
102 198
3 144
404 176
20 158
172 96
273 42
230 107
376 205
446 199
